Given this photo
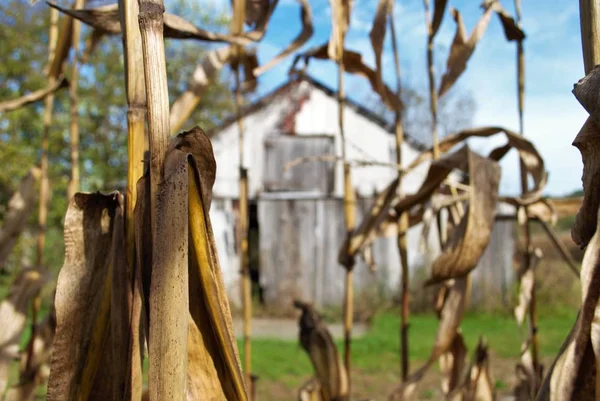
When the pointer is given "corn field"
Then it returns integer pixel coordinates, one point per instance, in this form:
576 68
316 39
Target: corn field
139 310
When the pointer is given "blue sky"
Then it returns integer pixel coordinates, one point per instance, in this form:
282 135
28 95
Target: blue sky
553 64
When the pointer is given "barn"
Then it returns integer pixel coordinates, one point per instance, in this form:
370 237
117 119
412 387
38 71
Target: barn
296 209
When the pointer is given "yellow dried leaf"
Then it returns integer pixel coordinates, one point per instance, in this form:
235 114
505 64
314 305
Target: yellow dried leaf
14 104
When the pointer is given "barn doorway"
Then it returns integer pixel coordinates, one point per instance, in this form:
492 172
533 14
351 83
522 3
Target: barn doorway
254 252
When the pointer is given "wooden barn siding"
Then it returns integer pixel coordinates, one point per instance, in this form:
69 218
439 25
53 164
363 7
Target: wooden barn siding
299 244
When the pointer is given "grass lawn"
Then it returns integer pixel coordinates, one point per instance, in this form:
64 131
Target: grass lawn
282 366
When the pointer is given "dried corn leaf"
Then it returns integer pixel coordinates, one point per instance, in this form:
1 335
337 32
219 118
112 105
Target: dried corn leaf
303 37
527 152
573 375
19 208
354 64
438 15
450 317
63 46
526 377
310 391
340 20
452 364
512 31
586 141
526 281
14 104
205 333
542 209
462 48
318 343
471 236
13 317
377 35
83 366
106 19
478 384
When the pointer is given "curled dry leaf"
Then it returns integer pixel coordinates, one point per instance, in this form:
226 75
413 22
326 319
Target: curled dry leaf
478 384
13 317
462 48
452 364
89 360
587 142
310 391
526 377
512 31
106 19
318 343
438 15
353 64
185 259
527 152
526 281
377 35
572 376
19 208
36 96
340 20
303 37
451 315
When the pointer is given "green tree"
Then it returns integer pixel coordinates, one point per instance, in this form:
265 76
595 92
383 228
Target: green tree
102 105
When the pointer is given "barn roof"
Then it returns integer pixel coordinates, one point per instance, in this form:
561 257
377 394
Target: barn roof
291 84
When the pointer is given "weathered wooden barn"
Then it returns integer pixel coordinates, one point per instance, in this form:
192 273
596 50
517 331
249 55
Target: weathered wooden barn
296 214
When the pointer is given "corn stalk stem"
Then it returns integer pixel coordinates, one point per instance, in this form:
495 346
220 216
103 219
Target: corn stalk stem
349 218
136 120
74 184
433 100
589 15
44 182
403 218
244 261
167 373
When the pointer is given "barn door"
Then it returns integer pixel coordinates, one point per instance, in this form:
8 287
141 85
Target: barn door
311 176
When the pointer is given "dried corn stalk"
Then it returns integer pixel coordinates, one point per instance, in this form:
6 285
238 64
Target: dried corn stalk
526 281
450 317
19 208
36 96
212 367
316 340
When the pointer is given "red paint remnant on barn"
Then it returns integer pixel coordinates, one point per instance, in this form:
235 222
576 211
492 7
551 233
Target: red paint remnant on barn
287 122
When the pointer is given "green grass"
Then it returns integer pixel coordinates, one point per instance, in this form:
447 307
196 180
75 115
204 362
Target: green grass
378 350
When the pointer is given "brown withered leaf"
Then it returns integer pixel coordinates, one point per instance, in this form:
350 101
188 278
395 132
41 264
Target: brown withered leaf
462 48
450 317
310 391
586 141
526 377
185 257
353 64
542 209
318 344
82 364
478 384
512 31
470 238
106 19
527 152
36 96
340 20
19 208
13 317
305 34
572 376
439 10
526 281
377 34
452 364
